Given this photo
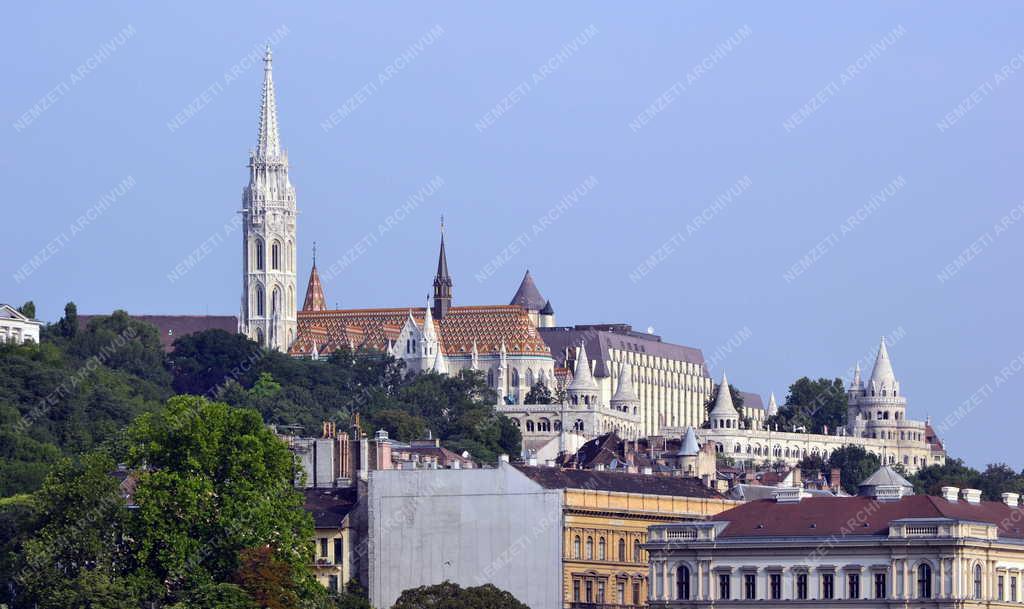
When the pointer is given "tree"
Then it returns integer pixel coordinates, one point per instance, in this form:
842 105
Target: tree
203 361
451 595
930 480
816 405
855 465
268 581
538 394
68 325
28 309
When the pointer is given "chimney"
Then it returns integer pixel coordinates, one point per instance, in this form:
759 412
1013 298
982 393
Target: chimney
1011 499
834 479
950 493
971 495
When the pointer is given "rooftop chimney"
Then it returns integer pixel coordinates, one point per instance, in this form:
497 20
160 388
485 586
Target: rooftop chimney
1011 499
950 493
971 495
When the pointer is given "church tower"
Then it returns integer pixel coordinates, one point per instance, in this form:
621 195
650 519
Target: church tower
442 283
268 314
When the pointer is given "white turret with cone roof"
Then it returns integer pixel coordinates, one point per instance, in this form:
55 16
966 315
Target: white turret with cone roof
430 349
882 376
724 415
773 407
583 389
689 446
440 365
625 397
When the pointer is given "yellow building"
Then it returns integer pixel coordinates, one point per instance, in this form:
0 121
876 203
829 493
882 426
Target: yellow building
605 516
334 540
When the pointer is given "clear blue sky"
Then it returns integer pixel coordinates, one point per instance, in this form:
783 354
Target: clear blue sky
871 125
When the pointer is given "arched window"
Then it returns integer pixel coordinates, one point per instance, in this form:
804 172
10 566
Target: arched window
683 583
622 550
590 548
977 582
529 377
636 550
924 581
515 422
544 425
529 425
259 255
275 301
260 301
259 336
490 377
601 549
275 256
738 448
576 547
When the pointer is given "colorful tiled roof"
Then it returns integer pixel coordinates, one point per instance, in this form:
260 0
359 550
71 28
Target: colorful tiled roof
315 300
378 328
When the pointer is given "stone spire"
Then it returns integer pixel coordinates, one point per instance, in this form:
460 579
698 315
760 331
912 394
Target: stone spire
583 379
773 407
315 300
442 282
429 335
724 414
625 396
528 296
474 362
882 376
857 383
689 446
440 365
268 144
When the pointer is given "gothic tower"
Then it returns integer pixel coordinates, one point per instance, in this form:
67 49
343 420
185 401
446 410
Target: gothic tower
268 239
442 283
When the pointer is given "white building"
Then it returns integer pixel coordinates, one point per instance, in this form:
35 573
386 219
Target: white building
16 328
883 548
876 421
268 237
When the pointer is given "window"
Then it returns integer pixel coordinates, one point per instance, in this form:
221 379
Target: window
589 587
529 425
977 582
575 590
622 552
880 587
636 550
338 552
323 547
620 589
636 593
1013 589
749 586
275 256
828 585
801 586
260 302
925 581
775 581
683 583
590 549
853 585
332 583
999 589
259 255
600 591
724 586
576 547
601 549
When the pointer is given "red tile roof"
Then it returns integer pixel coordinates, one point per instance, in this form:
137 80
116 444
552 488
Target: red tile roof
826 516
487 325
315 300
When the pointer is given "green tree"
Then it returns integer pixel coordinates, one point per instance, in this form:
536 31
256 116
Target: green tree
854 464
816 405
451 595
270 582
68 325
539 394
930 480
203 361
28 309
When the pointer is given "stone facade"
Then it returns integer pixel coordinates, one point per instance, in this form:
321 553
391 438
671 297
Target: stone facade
268 308
16 328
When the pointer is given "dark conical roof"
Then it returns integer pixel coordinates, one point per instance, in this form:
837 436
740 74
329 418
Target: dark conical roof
548 309
528 296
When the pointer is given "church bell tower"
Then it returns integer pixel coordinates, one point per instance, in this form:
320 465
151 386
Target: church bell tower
268 312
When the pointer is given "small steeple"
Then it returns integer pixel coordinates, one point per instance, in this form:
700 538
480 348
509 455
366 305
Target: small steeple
773 407
882 376
268 144
724 413
624 394
440 365
689 447
583 378
315 300
474 362
442 282
857 383
428 325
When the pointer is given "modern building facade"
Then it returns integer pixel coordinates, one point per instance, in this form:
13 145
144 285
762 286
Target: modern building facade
880 549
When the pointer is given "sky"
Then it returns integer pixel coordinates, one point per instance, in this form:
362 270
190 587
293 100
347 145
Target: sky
778 186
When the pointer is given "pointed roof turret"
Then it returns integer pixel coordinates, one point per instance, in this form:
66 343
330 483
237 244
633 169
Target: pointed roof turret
548 309
474 362
442 281
689 446
428 325
268 143
773 407
528 296
882 374
624 391
724 407
315 300
583 379
440 365
857 383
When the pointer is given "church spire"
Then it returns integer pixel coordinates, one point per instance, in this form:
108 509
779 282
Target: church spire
442 282
268 144
315 300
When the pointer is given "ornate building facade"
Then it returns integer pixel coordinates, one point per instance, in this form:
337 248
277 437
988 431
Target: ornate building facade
876 421
268 308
